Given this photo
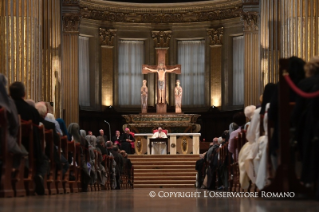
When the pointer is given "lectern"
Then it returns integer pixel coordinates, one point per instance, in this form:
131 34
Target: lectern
153 140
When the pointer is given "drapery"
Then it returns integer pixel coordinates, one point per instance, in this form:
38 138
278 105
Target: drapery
84 71
191 56
131 59
238 70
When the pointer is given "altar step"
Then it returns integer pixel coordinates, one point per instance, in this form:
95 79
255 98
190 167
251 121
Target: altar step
164 171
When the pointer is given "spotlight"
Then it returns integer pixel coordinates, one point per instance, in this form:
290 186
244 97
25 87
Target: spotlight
110 106
213 106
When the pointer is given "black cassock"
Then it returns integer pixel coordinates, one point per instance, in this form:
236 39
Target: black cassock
127 145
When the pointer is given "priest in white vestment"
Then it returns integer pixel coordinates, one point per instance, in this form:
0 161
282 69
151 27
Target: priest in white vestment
159 148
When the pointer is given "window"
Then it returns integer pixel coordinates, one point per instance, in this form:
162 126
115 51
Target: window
191 56
131 59
238 70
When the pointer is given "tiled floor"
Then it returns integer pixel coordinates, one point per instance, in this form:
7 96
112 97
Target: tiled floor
140 200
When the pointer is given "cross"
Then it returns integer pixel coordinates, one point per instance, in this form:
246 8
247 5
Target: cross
161 69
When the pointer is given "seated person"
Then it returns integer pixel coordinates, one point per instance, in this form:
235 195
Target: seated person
126 140
116 139
159 148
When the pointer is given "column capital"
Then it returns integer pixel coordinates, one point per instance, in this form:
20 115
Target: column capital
71 22
250 21
107 36
215 36
161 38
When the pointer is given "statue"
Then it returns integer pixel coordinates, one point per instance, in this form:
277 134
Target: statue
178 97
144 92
161 69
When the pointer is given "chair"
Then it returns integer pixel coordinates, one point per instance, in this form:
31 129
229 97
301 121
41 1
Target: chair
65 178
51 175
73 167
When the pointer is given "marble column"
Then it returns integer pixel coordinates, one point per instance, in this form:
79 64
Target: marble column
107 65
70 67
270 28
162 40
299 28
215 41
21 41
252 87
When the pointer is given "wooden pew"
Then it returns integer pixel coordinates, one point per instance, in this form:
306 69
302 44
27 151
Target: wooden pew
51 175
58 173
74 183
6 189
27 132
97 186
65 178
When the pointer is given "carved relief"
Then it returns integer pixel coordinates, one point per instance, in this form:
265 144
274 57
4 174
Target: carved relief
180 16
71 22
107 36
250 21
161 38
216 36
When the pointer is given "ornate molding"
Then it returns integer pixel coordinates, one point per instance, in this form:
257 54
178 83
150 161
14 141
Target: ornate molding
250 2
115 12
107 36
70 22
216 36
70 2
161 38
250 21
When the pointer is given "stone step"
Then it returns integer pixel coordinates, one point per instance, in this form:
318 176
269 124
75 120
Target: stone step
163 159
177 167
159 178
164 174
164 185
164 162
184 171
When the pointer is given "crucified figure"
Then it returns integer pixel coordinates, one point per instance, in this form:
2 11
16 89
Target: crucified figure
161 70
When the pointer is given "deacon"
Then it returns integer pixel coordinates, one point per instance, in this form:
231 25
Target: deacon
126 140
159 148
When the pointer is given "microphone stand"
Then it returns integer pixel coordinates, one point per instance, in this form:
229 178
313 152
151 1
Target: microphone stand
109 130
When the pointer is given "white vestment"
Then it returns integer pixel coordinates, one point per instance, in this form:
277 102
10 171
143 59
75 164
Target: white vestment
159 148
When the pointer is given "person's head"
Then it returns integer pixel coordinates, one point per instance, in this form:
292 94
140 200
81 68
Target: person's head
109 144
42 109
296 69
178 82
239 118
62 126
144 82
91 139
159 129
17 90
90 133
249 111
270 89
3 80
101 132
50 116
83 133
161 65
31 102
115 148
74 131
123 153
127 130
215 141
312 67
100 140
117 133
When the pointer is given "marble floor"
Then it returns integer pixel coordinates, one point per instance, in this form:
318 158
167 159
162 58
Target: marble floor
165 199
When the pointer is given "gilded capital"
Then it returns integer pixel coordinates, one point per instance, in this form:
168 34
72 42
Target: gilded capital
107 36
161 38
216 36
71 22
250 21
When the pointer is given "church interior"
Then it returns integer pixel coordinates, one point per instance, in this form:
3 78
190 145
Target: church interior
149 105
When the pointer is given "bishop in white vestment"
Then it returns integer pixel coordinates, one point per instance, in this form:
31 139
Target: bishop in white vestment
159 148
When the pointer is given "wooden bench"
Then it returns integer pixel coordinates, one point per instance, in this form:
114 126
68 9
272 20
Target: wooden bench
65 178
73 168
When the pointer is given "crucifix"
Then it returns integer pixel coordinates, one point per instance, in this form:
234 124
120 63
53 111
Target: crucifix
161 69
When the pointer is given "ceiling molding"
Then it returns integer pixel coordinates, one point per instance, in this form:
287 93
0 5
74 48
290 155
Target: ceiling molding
165 13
